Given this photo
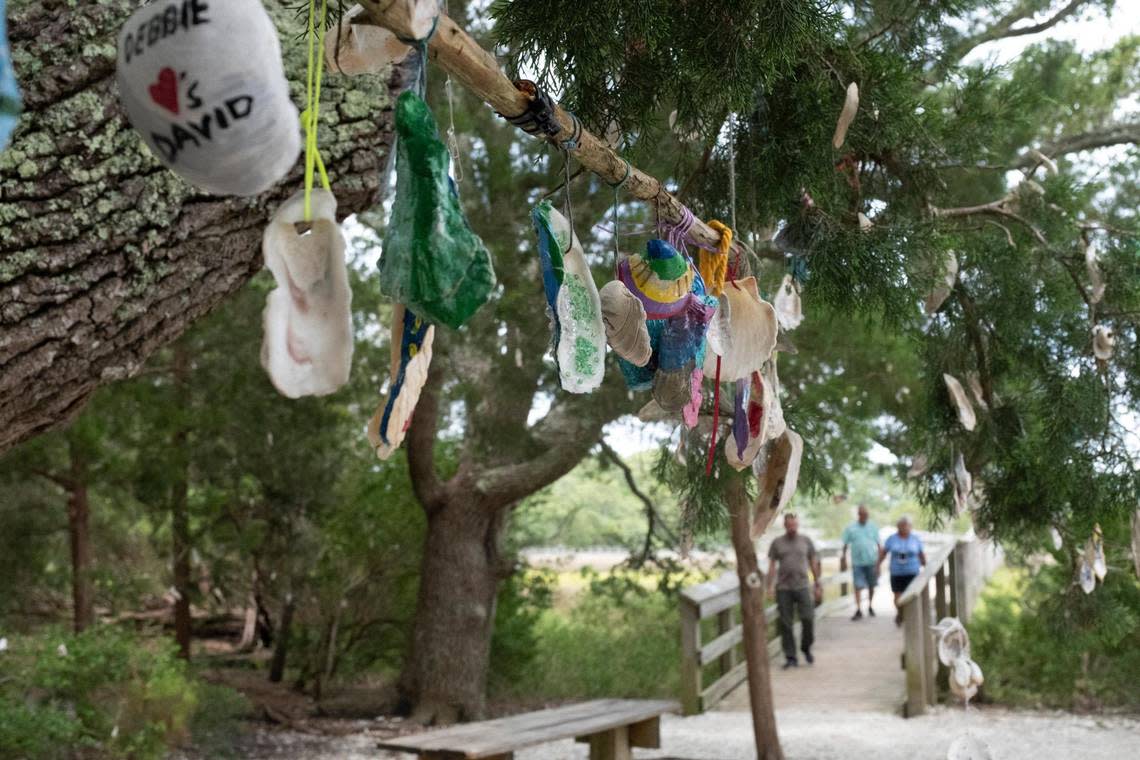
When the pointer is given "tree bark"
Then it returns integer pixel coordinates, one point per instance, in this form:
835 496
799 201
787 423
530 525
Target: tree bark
79 534
179 493
754 622
445 678
281 643
105 256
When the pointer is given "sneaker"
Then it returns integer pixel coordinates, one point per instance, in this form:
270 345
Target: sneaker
791 663
871 611
808 656
858 615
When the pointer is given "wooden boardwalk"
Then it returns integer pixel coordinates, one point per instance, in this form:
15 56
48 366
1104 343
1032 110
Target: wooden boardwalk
857 665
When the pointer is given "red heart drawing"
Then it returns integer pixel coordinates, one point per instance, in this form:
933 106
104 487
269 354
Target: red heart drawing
165 91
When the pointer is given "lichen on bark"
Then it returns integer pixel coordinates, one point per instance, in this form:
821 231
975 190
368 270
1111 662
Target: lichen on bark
104 254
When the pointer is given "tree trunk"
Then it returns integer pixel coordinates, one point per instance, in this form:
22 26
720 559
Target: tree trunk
105 256
281 643
179 493
445 677
79 533
754 622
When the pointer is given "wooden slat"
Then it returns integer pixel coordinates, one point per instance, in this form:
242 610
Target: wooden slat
934 560
721 644
723 685
496 737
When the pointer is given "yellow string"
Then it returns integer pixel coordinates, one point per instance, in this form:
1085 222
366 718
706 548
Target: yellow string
313 103
713 265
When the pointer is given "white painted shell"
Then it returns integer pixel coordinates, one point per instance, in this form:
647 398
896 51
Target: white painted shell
415 375
941 291
623 315
961 402
1104 340
1092 266
846 116
1087 576
1099 563
1056 536
307 342
865 224
953 640
789 310
354 47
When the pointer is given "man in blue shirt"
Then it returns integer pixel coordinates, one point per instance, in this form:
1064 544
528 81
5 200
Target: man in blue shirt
863 538
907 560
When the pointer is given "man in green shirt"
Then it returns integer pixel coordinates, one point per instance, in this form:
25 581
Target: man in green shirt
863 538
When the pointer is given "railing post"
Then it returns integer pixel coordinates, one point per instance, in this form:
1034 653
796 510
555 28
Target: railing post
941 610
915 657
724 624
930 659
962 581
690 657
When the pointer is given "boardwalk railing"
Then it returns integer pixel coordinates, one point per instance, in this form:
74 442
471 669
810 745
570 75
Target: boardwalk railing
957 570
711 633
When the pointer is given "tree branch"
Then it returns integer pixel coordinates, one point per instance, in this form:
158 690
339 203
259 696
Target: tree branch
1004 29
421 443
654 520
1116 134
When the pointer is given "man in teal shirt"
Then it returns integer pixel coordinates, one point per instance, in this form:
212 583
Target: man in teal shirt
863 538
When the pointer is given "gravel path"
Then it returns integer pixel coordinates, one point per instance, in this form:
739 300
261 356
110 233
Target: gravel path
806 735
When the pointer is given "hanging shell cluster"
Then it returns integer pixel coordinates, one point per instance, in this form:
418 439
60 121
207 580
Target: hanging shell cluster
1094 566
1104 341
954 652
789 311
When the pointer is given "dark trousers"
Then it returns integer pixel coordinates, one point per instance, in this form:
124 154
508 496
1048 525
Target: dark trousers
786 603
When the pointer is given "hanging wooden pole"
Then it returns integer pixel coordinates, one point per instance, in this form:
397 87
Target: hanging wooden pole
453 50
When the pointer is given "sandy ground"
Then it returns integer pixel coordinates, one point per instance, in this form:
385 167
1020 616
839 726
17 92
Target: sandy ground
806 735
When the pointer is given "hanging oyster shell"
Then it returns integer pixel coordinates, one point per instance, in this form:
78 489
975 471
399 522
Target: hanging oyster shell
1099 563
579 335
846 116
1055 535
941 291
865 224
1103 342
918 466
624 317
672 389
1092 265
779 472
652 412
953 640
1049 164
411 344
789 311
307 343
752 329
963 484
1087 575
357 47
961 402
975 383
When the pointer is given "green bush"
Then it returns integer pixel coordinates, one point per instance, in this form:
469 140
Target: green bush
1042 642
619 639
100 694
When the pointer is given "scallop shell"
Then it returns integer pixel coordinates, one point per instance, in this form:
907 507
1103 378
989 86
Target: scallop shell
624 317
941 291
752 327
846 116
307 344
789 310
961 402
953 640
1103 342
361 48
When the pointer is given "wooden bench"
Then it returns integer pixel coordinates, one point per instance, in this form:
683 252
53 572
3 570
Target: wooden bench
610 726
